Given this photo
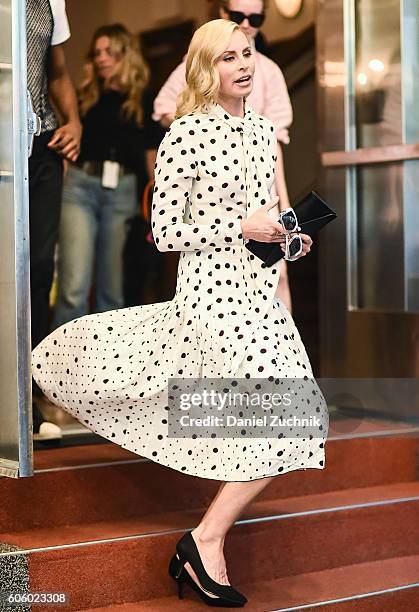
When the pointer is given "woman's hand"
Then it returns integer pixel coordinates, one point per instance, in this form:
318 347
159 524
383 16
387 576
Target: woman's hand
259 226
307 244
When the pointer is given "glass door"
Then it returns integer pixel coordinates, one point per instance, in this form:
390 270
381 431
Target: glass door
367 66
15 386
369 100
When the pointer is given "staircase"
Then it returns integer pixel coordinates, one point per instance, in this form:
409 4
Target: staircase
100 524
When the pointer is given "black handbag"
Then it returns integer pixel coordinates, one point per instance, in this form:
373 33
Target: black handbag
312 213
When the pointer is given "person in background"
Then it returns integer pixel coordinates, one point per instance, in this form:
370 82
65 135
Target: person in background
117 157
260 41
48 77
269 98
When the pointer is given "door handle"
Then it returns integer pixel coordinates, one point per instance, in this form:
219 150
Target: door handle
34 123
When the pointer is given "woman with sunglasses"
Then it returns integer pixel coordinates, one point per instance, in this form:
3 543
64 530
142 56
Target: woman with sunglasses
115 371
260 41
268 98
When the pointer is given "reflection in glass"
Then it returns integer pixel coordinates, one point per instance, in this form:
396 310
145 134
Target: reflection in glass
380 246
6 92
378 73
7 266
5 32
6 115
331 74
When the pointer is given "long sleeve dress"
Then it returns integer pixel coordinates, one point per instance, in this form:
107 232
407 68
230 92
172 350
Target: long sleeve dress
111 370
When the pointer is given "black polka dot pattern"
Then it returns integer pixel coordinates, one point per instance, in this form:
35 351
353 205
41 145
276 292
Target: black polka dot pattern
110 370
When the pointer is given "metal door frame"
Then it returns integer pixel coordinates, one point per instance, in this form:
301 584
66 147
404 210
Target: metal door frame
16 449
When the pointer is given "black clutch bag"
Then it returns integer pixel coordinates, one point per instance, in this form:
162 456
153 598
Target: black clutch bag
312 214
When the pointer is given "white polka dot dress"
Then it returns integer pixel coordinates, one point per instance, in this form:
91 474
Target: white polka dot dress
110 370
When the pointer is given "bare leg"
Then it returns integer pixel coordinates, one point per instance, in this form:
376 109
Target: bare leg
283 290
228 504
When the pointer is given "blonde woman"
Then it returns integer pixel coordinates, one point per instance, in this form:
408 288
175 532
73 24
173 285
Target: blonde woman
118 150
215 169
269 97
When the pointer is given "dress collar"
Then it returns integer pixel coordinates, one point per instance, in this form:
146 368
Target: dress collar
237 124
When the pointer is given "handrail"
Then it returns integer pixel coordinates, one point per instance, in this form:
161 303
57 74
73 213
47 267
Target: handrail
371 155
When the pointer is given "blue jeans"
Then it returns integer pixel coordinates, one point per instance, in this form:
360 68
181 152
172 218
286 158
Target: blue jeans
92 236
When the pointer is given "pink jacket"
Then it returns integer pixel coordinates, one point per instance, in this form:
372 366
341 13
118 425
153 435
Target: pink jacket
269 96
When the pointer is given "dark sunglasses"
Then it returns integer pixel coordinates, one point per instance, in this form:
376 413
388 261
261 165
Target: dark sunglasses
255 19
293 246
288 220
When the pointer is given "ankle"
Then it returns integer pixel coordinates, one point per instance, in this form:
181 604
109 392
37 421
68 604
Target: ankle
205 536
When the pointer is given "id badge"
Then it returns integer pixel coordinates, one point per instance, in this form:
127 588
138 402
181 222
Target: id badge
110 174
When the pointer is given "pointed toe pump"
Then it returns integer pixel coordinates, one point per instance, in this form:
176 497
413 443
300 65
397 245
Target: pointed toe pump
211 592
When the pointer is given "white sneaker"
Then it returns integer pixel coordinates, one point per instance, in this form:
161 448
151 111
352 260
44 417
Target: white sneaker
48 431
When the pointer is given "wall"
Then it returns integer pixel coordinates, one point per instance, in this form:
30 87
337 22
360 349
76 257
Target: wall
84 18
277 27
146 14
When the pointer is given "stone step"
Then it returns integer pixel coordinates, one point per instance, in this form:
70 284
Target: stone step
276 539
390 585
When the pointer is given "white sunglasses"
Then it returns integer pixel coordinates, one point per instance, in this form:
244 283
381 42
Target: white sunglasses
293 243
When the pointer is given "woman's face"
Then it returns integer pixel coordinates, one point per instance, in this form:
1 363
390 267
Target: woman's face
106 64
247 7
236 67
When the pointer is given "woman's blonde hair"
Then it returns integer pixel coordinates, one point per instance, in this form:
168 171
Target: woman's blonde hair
133 73
202 78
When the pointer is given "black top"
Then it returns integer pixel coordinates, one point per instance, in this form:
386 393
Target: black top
109 135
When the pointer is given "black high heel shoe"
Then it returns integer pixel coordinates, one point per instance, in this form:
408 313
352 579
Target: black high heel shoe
187 552
180 575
